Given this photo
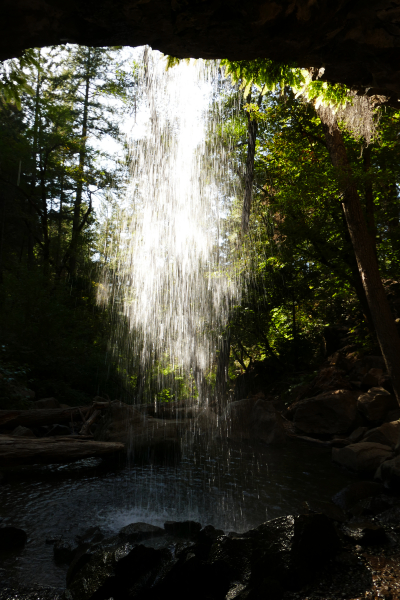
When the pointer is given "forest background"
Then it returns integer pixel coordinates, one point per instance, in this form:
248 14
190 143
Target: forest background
59 195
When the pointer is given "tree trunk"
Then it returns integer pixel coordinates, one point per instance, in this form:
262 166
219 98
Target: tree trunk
351 260
252 128
2 227
367 262
369 198
79 189
34 158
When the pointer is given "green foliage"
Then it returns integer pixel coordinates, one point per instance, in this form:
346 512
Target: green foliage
14 77
264 74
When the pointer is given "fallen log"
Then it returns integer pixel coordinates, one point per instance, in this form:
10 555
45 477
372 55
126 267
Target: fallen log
23 451
87 424
10 419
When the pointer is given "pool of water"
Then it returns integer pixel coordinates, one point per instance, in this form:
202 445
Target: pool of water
231 487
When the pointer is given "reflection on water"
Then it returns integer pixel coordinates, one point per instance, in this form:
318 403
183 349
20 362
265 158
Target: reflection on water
229 487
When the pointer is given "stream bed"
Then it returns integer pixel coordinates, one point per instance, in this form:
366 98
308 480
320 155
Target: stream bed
233 488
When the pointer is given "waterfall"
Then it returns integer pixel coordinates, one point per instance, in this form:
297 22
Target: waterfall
171 272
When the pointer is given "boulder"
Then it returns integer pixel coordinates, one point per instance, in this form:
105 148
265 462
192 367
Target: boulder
136 532
253 419
93 535
21 431
47 403
364 457
376 403
266 424
392 516
290 549
393 415
387 434
147 439
372 506
357 435
236 418
184 529
12 538
355 492
372 379
389 473
119 569
329 413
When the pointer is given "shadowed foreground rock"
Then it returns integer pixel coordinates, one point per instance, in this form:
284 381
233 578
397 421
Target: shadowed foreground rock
279 555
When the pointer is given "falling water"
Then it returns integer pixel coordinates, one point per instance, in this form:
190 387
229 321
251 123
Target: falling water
172 272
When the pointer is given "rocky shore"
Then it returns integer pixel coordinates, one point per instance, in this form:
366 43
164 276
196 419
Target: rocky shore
350 551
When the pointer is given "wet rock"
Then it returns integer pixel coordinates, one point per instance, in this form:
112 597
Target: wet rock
262 563
9 591
291 549
353 493
332 511
81 557
389 473
371 506
12 538
364 457
328 413
21 431
47 403
118 572
365 533
205 539
387 434
136 532
376 403
204 579
184 529
63 552
93 535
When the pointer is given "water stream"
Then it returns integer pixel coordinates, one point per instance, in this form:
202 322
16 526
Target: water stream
171 267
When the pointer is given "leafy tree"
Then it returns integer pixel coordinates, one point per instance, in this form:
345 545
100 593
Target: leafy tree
326 100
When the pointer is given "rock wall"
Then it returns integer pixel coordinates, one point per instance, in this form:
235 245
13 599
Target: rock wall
356 41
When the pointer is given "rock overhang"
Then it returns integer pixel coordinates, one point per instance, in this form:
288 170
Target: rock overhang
357 42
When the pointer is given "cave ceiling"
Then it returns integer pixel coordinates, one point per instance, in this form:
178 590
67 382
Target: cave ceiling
358 42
